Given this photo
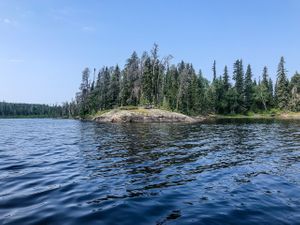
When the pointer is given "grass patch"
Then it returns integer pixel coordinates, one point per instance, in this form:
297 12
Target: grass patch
142 111
101 112
128 107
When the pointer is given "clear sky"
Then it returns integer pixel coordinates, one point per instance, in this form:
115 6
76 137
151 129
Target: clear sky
45 44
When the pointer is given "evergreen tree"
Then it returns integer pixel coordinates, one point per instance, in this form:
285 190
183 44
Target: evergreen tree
132 85
226 79
248 88
203 90
106 104
156 75
219 95
294 102
271 94
267 89
193 102
214 71
232 101
151 80
265 80
196 95
282 91
172 86
183 103
225 101
147 88
238 76
115 87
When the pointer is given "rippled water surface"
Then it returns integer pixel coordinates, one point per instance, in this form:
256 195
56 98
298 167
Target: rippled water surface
72 172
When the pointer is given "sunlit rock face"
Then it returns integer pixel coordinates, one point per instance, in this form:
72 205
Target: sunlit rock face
144 115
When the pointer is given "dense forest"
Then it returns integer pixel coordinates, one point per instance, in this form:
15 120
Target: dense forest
151 80
32 110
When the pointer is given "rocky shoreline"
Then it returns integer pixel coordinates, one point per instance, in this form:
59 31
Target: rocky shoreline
142 115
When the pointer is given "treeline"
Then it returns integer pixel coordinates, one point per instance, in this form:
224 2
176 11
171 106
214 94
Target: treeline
151 80
33 110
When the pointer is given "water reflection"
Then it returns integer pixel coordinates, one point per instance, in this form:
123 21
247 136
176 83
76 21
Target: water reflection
236 171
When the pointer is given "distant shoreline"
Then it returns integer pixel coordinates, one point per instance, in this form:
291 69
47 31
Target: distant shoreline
280 116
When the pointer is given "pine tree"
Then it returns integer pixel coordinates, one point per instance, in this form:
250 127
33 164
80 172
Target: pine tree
157 77
265 80
193 91
225 102
294 102
271 94
205 105
185 74
268 87
132 85
172 86
195 94
214 71
248 88
238 76
147 85
115 87
232 101
106 91
226 79
282 91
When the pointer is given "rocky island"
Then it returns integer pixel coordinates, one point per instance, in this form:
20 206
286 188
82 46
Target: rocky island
144 115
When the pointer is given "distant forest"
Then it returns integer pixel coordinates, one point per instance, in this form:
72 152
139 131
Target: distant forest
32 110
151 80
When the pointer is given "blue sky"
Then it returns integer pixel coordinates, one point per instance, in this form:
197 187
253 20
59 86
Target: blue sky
44 45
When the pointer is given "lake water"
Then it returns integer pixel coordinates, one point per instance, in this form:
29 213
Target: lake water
72 172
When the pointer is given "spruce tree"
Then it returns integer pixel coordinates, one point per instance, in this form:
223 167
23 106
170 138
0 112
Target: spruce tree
270 90
115 87
265 80
214 71
106 88
268 87
131 76
156 75
172 84
147 79
226 79
282 91
238 76
248 88
294 102
203 97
